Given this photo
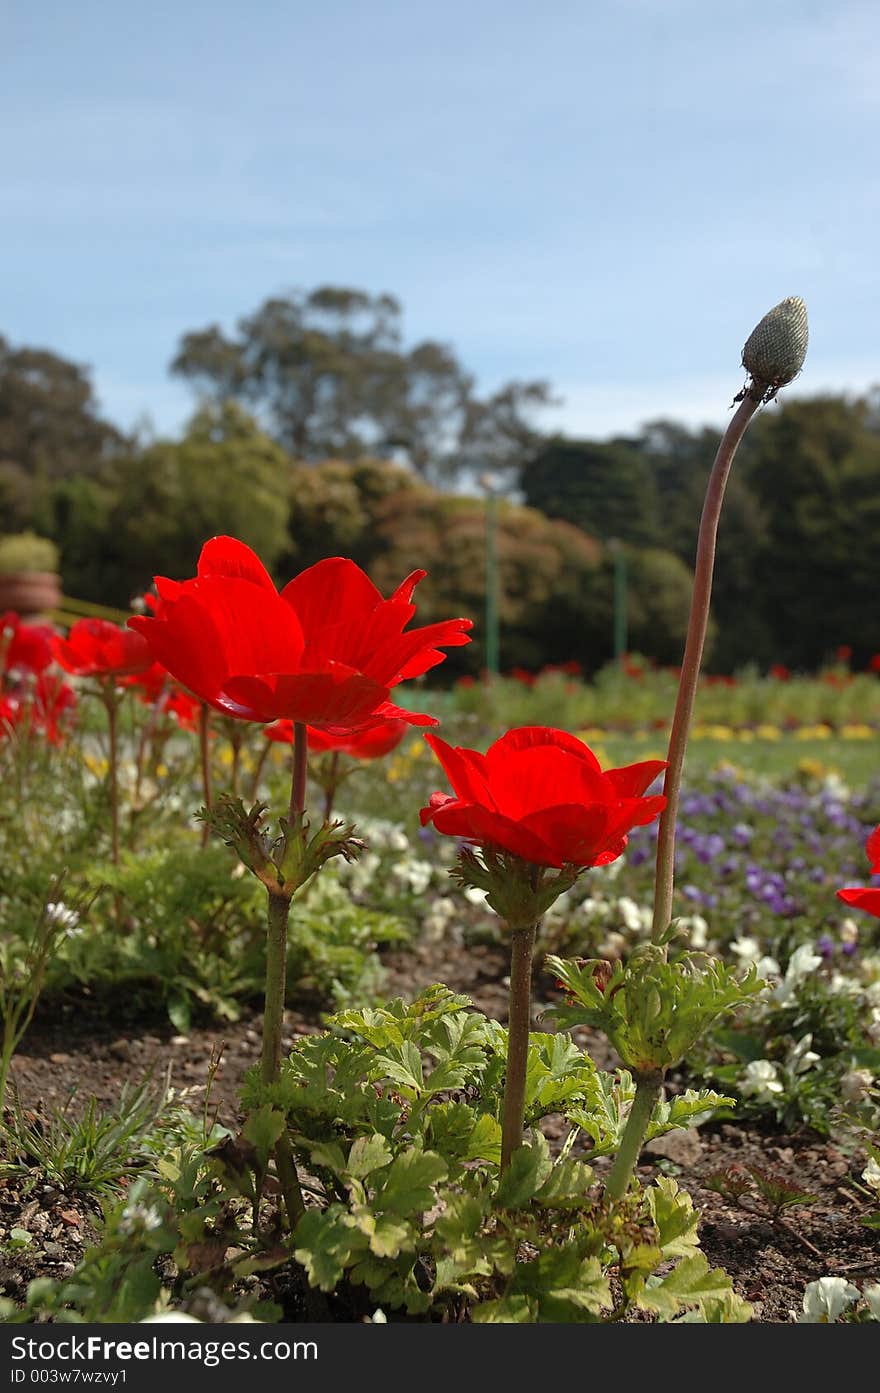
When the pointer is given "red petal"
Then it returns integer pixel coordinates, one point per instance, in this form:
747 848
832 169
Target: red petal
633 779
872 848
862 898
225 556
334 591
465 770
540 737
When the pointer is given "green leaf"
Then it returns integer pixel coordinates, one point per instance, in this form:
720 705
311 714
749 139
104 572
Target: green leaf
408 1185
566 1186
674 1216
262 1129
325 1242
690 1283
367 1155
513 1309
179 1013
529 1168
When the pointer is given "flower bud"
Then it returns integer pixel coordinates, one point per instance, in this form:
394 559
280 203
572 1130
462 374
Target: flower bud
775 350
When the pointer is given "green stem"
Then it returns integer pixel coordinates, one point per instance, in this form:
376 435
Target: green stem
648 1088
300 770
205 757
664 883
255 782
111 704
522 945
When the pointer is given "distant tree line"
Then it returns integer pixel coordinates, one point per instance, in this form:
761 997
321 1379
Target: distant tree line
318 432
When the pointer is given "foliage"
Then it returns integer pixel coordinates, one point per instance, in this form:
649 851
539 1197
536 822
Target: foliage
327 369
396 1112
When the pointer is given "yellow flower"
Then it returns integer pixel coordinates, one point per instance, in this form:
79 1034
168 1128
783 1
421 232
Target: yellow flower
857 732
768 732
96 766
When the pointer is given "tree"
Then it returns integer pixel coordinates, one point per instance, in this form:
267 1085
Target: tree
606 488
327 374
224 476
50 429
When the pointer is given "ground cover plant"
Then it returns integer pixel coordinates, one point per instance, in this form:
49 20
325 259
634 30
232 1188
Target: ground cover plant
228 812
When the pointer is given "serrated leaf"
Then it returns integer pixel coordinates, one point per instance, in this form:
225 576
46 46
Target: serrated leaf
674 1216
325 1241
262 1129
690 1282
407 1187
404 1067
513 1309
566 1186
367 1154
528 1169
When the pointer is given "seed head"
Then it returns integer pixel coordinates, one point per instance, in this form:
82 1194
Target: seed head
775 350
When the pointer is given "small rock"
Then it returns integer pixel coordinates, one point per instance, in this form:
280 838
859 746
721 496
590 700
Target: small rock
180 1039
683 1146
59 1058
121 1049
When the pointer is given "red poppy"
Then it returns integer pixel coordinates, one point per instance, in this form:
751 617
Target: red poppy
864 897
372 743
24 647
97 648
874 664
779 672
843 653
523 676
325 651
541 794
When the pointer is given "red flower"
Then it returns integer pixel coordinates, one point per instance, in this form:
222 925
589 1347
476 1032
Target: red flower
372 743
779 672
843 653
97 648
325 651
874 664
148 685
24 647
523 676
541 794
43 710
864 897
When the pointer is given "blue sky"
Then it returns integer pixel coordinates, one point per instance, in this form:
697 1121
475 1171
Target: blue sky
608 195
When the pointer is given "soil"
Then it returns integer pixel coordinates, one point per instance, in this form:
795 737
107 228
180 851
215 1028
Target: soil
77 1049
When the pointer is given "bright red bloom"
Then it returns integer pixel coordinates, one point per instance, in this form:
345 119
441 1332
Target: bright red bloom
866 897
325 651
97 648
541 794
372 743
24 647
148 685
43 709
874 664
843 653
779 672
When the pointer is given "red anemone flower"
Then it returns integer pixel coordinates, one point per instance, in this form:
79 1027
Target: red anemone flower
324 651
542 795
372 743
97 648
24 647
866 897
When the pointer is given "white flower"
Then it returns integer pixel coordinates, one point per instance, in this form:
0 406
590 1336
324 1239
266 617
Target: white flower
856 1085
761 1079
801 964
768 967
139 1216
630 914
849 931
61 914
801 1057
698 931
749 949
827 1299
474 895
871 1174
872 1296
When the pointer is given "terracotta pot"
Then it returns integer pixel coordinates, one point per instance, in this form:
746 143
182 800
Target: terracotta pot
30 593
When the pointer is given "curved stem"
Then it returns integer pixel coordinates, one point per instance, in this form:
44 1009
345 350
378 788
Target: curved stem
522 946
648 1088
690 667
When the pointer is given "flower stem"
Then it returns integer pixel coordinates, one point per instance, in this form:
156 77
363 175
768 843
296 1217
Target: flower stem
690 668
111 703
648 1088
522 945
205 757
300 769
